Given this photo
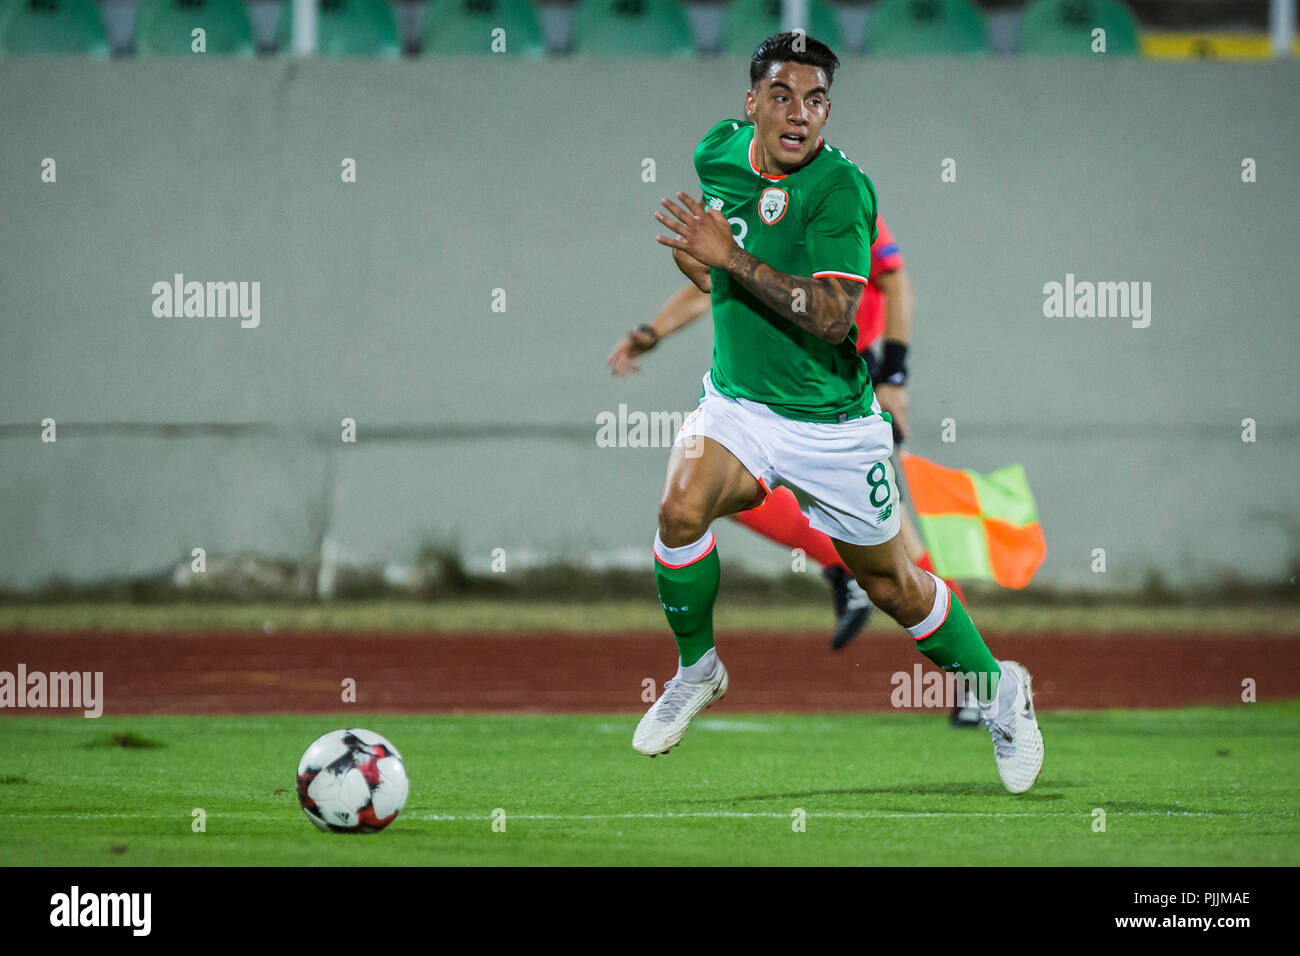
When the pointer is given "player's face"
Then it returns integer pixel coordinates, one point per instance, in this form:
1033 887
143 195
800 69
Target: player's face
789 107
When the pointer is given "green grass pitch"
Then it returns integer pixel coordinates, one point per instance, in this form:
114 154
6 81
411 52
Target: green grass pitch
1187 787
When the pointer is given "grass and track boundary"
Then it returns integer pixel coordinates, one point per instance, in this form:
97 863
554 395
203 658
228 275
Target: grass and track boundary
481 614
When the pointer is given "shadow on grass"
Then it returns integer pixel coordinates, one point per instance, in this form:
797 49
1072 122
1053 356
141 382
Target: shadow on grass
913 790
129 740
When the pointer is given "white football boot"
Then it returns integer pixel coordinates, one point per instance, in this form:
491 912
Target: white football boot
1013 725
665 723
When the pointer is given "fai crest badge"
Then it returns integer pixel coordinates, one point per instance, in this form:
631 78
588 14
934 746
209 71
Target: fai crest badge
771 205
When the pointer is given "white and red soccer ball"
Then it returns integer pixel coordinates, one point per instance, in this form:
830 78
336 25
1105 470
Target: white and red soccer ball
352 781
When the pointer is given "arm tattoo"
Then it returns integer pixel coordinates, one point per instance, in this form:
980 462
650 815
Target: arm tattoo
829 304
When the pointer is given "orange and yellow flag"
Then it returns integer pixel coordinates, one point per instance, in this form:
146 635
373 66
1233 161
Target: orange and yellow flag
976 526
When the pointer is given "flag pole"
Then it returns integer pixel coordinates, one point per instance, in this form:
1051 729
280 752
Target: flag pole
905 496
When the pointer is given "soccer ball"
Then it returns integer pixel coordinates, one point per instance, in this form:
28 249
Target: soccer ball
352 781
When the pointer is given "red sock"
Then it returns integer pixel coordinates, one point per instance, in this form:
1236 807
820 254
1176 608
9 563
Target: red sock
924 563
780 519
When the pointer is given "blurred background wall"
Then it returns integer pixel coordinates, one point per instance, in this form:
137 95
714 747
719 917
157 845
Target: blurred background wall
477 428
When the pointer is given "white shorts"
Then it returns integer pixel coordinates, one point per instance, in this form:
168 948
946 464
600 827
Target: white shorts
840 472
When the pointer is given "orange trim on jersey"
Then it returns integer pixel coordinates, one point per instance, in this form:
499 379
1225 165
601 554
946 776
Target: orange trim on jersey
843 275
771 176
712 544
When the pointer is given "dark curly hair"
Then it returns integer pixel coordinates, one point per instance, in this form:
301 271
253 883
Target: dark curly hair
780 48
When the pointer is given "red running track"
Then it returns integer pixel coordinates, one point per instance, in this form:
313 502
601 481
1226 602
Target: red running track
572 672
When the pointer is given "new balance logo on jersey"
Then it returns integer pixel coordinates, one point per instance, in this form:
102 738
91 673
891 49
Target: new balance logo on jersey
771 205
885 512
714 203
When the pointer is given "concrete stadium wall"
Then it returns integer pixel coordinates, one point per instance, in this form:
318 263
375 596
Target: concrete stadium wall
478 427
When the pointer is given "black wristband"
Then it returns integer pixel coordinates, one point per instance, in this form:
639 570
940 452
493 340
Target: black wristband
648 330
893 364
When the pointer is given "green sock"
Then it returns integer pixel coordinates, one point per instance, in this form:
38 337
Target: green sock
956 646
687 595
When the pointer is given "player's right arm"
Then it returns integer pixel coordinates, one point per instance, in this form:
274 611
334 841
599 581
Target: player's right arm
824 306
682 308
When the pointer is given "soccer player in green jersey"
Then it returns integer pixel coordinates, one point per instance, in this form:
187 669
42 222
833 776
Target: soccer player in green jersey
782 241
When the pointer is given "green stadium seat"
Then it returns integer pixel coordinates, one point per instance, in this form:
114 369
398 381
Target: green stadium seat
632 28
465 26
51 26
747 23
925 27
347 28
163 27
1064 27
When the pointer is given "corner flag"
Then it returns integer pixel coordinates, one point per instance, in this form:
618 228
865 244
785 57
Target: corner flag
976 526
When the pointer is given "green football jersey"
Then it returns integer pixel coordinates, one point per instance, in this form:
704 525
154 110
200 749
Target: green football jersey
819 220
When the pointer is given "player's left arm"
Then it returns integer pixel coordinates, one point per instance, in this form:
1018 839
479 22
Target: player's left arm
824 307
896 286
